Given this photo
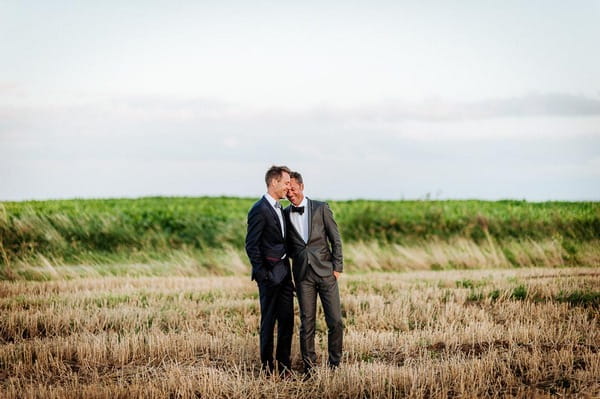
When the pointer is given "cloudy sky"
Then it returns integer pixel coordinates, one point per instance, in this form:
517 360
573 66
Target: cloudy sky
378 99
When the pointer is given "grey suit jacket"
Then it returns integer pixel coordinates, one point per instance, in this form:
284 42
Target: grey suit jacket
323 251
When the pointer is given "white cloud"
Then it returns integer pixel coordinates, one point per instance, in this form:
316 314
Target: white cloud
150 146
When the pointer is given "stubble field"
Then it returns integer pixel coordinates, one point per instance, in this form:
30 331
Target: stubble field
475 333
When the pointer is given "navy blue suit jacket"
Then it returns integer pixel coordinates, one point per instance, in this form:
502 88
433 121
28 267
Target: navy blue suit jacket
265 244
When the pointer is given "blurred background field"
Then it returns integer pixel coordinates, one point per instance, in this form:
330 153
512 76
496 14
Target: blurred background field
42 240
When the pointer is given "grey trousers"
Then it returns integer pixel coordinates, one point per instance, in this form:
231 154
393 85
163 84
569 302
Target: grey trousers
327 289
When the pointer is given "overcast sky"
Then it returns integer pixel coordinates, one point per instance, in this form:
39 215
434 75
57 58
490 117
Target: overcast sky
383 100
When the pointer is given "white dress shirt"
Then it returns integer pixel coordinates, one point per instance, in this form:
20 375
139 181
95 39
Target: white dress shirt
299 221
278 211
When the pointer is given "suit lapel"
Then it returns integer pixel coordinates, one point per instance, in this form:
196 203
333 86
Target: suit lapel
288 218
275 217
287 215
309 205
284 223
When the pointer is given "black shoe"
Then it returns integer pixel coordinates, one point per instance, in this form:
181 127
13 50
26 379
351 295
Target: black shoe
267 368
308 374
286 374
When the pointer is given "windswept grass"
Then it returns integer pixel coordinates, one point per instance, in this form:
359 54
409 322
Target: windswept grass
200 235
360 257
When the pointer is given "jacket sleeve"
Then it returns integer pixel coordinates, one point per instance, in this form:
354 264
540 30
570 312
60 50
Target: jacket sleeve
334 237
256 225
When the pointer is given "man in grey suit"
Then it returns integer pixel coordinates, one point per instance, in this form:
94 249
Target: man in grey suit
315 246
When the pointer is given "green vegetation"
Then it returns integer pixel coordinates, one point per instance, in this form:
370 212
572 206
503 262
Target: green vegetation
149 230
580 297
401 221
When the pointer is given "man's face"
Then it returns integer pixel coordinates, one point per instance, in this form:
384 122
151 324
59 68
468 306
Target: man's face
296 192
281 186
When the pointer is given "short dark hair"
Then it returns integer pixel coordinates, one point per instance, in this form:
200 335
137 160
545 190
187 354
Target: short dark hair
275 172
297 176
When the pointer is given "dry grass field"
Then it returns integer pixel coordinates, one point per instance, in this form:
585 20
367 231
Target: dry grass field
469 333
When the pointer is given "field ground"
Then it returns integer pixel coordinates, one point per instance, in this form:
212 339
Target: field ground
529 332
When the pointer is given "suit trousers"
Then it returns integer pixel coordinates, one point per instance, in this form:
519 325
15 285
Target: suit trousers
327 289
276 305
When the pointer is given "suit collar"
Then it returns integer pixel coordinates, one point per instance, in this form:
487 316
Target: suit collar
274 214
270 199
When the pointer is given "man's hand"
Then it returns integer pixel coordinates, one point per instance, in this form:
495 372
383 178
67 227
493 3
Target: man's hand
337 275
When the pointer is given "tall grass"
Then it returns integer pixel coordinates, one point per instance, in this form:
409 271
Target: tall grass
154 230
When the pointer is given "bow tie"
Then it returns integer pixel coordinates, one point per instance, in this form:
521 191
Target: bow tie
277 205
299 209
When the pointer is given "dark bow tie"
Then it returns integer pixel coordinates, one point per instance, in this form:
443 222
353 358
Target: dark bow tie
299 209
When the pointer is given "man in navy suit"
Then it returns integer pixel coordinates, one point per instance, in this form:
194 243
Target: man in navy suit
265 246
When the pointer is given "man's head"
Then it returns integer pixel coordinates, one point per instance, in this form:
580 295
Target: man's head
296 191
278 181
